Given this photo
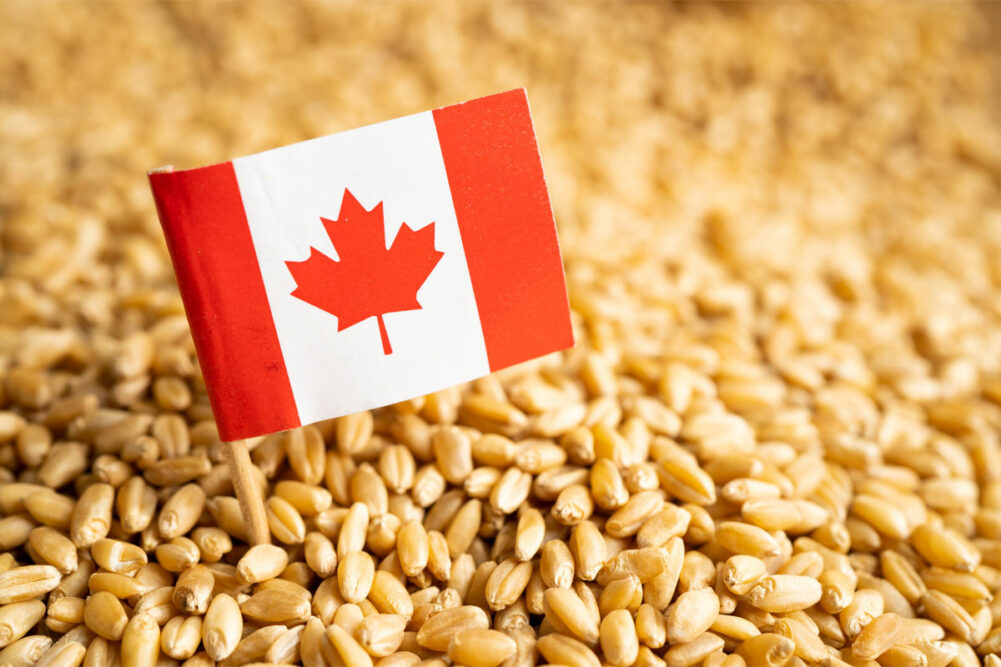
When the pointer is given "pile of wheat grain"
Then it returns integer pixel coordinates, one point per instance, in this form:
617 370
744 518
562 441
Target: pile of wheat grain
777 442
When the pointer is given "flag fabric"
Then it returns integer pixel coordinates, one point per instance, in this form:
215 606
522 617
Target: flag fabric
367 267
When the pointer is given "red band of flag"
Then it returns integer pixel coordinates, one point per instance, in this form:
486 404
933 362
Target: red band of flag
241 360
506 223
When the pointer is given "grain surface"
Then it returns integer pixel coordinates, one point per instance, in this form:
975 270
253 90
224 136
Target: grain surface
776 441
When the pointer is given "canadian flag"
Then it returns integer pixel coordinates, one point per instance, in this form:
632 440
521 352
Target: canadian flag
367 267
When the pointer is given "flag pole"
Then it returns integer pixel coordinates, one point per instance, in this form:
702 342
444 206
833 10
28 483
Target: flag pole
251 504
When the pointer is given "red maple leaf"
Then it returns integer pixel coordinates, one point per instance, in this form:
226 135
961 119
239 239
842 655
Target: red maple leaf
368 280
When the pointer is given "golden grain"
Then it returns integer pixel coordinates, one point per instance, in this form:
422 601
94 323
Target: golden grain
785 593
773 400
140 641
619 642
181 636
355 574
221 627
381 634
561 650
26 651
260 563
438 630
27 582
17 618
479 647
193 590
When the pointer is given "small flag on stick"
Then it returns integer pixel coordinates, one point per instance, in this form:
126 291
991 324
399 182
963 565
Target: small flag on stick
367 267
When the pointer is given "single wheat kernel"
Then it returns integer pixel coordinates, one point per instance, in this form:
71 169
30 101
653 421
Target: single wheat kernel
439 560
105 615
742 573
607 486
177 555
54 548
135 504
17 618
556 565
260 563
353 531
806 637
785 592
271 605
193 590
177 470
381 634
320 554
624 593
565 610
949 614
50 509
91 519
866 605
619 642
389 596
506 583
453 451
879 635
213 543
118 556
157 604
63 463
181 511
531 530
181 636
68 653
354 432
645 564
254 645
558 649
221 627
587 545
285 522
510 490
464 527
140 641
413 548
693 652
305 452
355 575
14 531
479 647
25 651
838 590
368 487
767 649
956 584
285 649
691 614
27 582
745 539
65 613
438 630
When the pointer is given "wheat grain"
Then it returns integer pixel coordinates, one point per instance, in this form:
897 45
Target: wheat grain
140 641
764 386
221 627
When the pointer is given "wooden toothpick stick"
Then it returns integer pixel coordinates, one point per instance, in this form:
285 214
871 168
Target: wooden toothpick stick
251 503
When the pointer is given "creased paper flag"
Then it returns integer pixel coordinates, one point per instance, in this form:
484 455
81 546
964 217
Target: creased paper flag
367 267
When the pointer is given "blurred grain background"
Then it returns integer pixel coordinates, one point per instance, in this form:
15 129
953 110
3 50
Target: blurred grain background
666 127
